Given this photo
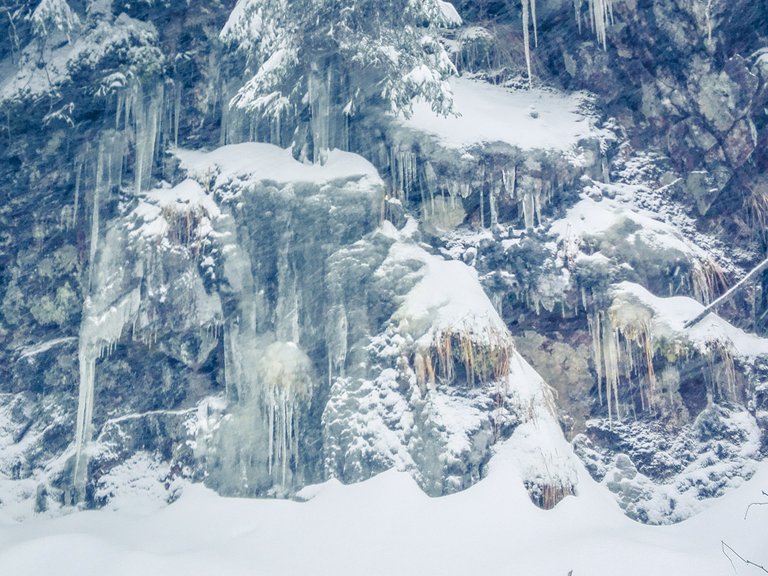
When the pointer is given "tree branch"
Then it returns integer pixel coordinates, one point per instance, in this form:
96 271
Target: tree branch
726 548
755 504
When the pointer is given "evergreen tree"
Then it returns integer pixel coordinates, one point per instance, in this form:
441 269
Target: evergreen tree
314 62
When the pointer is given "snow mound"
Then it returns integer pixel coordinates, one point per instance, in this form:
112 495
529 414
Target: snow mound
449 298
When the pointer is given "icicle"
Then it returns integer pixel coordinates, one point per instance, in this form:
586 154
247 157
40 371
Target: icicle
482 207
493 207
147 129
320 104
611 357
595 326
529 210
78 179
600 15
83 431
577 9
95 218
176 114
527 40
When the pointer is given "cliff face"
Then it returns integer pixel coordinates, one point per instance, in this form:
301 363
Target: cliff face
173 292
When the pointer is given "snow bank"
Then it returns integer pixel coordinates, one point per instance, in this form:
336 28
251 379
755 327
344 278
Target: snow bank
387 526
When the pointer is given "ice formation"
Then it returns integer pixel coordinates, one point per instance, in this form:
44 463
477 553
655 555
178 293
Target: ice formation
600 17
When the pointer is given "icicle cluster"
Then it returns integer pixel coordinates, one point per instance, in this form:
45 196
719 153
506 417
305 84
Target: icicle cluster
285 385
625 353
600 17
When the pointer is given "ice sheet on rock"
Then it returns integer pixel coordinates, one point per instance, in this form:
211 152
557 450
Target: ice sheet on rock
266 162
671 314
526 119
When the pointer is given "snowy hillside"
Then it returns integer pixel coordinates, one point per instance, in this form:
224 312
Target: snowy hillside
390 288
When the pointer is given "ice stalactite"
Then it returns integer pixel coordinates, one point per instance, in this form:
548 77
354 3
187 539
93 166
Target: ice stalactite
611 357
148 126
321 121
721 368
403 165
605 341
708 18
484 358
633 325
78 182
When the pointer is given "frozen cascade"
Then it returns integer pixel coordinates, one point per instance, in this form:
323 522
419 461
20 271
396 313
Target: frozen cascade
600 17
100 331
272 383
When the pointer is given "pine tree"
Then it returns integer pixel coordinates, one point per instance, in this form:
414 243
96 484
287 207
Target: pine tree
316 63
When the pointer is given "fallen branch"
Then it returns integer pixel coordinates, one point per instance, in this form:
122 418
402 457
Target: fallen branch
729 294
740 557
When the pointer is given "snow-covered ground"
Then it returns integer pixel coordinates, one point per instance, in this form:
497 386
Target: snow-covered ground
526 119
388 526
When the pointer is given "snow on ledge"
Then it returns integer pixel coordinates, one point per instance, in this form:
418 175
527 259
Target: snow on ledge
266 162
526 119
447 299
671 314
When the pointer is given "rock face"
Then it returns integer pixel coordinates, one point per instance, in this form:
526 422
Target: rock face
176 297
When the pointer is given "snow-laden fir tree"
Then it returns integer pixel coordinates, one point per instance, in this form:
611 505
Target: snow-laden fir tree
313 64
53 15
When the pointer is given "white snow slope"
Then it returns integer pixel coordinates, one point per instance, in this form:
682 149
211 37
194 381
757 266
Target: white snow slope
387 526
527 119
